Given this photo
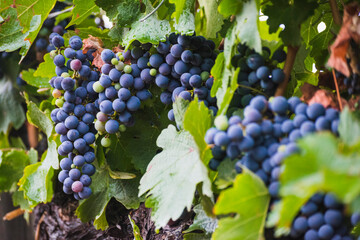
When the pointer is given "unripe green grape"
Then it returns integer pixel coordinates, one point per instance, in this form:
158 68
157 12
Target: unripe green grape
153 72
117 86
53 54
204 75
122 128
100 126
65 75
97 87
221 122
73 166
127 69
59 102
105 142
121 58
114 61
120 66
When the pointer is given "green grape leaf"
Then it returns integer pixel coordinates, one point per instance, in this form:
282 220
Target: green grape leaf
230 7
226 174
19 200
185 20
279 12
117 10
39 119
324 164
104 188
12 113
247 25
214 19
37 181
202 221
179 7
180 106
136 230
82 10
39 82
12 164
174 172
4 141
151 30
217 73
11 35
137 145
349 127
250 204
46 69
197 120
31 16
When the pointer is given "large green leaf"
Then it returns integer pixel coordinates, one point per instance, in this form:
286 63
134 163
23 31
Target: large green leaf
197 121
104 188
82 9
12 113
123 12
37 181
247 25
279 12
214 19
202 222
39 119
249 200
18 199
185 20
349 127
324 164
39 82
12 164
46 69
172 176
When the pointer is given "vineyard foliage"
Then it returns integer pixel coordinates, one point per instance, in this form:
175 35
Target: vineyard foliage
167 164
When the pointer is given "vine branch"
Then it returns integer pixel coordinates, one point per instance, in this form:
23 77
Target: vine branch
335 12
152 12
289 63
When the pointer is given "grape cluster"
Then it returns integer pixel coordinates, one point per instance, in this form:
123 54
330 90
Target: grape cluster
179 66
258 73
74 116
263 139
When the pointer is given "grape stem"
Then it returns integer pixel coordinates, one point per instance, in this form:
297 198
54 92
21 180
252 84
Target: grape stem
13 214
289 63
55 14
335 12
152 12
337 90
252 89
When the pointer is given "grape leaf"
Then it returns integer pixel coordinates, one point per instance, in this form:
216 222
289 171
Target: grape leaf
104 188
82 9
11 35
279 12
19 200
214 19
46 69
180 106
12 164
12 113
349 127
39 82
247 25
226 174
172 175
250 204
230 7
179 7
185 20
202 222
37 181
324 164
197 120
217 73
117 10
39 119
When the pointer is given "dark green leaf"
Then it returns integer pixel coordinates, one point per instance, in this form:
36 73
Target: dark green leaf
214 19
172 173
123 12
82 9
202 222
226 174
